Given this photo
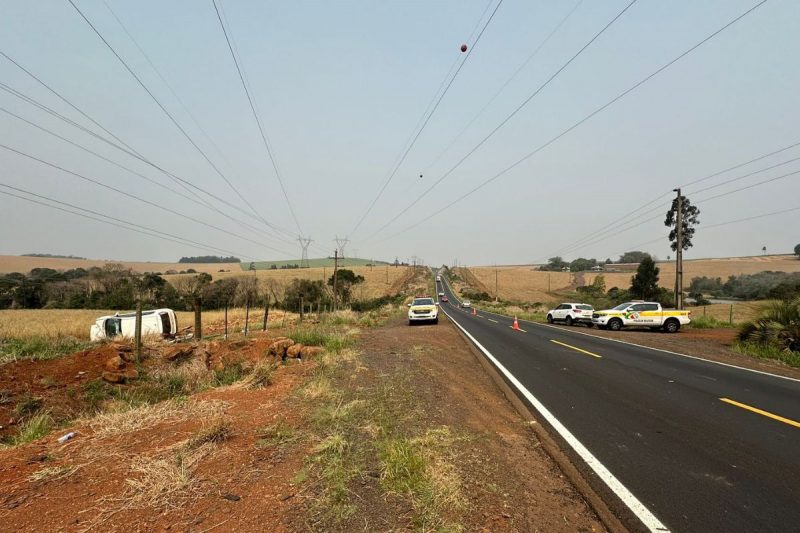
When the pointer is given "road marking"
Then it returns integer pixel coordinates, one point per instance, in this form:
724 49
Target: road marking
762 412
577 349
638 508
520 329
493 320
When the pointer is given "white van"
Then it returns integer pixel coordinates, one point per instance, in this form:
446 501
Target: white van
156 322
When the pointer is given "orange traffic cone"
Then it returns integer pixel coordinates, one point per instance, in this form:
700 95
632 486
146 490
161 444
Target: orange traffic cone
474 311
516 324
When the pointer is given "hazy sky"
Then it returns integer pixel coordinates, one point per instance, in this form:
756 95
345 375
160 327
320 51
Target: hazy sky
341 86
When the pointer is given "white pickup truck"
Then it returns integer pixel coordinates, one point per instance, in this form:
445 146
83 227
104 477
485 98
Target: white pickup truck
641 314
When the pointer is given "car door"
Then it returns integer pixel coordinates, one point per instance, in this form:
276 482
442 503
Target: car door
561 312
639 315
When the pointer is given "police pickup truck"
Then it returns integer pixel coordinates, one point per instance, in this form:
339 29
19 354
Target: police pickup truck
641 314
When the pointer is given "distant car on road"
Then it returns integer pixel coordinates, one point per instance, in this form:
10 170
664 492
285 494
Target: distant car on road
571 313
441 294
423 309
465 304
444 299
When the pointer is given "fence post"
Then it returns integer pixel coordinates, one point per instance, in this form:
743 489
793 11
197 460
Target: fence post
301 309
226 320
731 317
246 316
266 313
198 321
138 330
704 310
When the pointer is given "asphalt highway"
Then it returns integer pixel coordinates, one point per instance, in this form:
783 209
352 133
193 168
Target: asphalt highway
683 443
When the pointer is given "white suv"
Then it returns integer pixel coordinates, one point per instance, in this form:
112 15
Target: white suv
571 314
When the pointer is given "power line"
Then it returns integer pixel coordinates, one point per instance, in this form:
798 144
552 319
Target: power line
581 121
122 223
63 99
425 122
511 78
135 197
507 119
626 218
167 113
187 185
634 223
166 83
258 120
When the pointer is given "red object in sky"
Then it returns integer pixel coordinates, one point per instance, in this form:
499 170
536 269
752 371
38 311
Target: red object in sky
463 47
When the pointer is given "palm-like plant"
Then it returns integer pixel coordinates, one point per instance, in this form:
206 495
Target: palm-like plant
778 325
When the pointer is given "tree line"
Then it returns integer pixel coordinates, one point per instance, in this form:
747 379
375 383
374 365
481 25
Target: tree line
114 286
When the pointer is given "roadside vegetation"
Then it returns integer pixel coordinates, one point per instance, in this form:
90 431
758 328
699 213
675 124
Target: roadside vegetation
775 334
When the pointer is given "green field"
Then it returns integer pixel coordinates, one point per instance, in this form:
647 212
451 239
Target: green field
318 263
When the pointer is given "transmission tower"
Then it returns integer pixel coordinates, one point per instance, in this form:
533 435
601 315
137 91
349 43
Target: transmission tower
304 244
340 244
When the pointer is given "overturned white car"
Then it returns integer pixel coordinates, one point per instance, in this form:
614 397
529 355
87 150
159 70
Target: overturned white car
154 322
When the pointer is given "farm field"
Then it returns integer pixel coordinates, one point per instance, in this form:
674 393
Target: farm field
55 323
375 278
24 264
523 283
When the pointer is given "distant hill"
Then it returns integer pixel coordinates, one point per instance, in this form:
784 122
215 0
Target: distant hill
54 256
313 263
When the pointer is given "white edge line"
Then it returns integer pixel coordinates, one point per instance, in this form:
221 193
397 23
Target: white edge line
638 508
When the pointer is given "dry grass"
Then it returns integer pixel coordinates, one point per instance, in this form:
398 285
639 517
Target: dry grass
13 263
126 419
58 323
52 473
523 283
374 285
165 481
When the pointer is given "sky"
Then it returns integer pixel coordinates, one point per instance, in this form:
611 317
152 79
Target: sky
341 88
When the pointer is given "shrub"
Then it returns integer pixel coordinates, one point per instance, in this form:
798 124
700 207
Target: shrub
777 327
35 428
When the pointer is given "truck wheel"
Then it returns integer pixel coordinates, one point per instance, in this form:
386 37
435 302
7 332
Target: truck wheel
568 321
436 320
615 324
672 326
589 324
410 322
549 319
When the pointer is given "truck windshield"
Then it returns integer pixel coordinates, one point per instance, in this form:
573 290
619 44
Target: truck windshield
621 307
422 301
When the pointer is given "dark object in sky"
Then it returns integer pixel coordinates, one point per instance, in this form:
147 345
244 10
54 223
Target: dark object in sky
420 175
463 47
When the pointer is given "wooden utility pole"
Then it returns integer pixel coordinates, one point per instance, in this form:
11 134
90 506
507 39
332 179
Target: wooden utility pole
138 330
335 275
679 253
495 283
266 312
301 308
198 321
226 320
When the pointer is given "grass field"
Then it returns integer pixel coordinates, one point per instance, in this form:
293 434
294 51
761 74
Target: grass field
347 262
16 263
524 283
55 323
375 283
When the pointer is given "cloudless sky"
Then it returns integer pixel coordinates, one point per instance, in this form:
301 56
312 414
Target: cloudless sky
340 87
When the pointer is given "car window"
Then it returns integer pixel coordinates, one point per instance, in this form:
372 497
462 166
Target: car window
422 301
649 307
638 307
622 307
562 306
585 307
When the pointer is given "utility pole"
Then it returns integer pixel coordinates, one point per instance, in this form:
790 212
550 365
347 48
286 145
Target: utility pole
335 269
495 283
679 253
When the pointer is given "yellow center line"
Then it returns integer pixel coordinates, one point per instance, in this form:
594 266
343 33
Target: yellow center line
577 349
762 412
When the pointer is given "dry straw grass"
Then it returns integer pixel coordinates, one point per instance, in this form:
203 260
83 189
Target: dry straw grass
14 263
523 283
127 419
